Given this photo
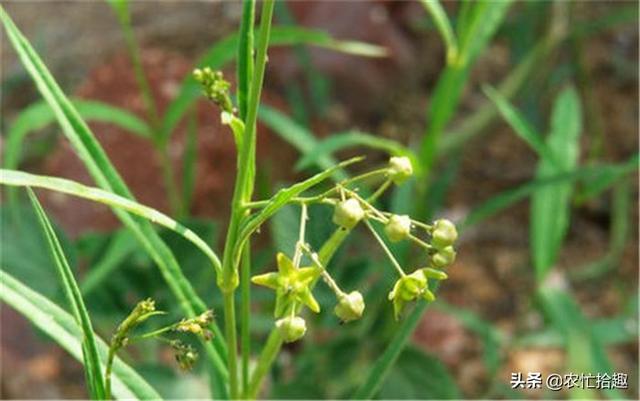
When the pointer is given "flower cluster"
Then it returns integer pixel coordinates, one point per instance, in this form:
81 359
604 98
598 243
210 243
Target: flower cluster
294 283
185 354
215 87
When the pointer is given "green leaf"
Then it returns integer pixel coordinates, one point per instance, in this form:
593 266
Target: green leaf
189 164
444 27
520 125
550 205
419 376
121 246
90 357
105 175
64 330
478 22
38 115
224 51
348 139
22 179
477 30
283 196
298 136
511 196
21 252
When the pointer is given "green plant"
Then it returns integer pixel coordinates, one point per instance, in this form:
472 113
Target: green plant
293 284
309 221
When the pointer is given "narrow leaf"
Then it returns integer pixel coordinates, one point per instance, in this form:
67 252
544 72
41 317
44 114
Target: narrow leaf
519 124
550 206
22 179
511 196
74 298
286 194
122 245
348 139
444 27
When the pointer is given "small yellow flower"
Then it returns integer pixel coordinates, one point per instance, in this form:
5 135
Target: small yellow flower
292 284
409 288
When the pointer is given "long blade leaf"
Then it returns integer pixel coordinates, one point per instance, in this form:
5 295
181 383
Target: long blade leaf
22 179
74 298
550 206
348 139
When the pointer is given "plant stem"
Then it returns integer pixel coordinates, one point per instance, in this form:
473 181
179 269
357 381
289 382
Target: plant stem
245 315
268 355
243 190
245 55
232 343
386 249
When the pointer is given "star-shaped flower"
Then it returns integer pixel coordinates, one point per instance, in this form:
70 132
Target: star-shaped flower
413 286
292 285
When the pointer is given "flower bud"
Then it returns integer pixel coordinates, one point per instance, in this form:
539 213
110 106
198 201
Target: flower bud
400 169
350 306
398 227
444 234
291 328
348 213
444 257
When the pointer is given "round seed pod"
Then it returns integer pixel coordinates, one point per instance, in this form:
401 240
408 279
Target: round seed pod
348 213
444 234
400 169
444 257
398 227
292 328
350 307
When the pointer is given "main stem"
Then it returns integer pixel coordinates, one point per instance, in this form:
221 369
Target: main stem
243 190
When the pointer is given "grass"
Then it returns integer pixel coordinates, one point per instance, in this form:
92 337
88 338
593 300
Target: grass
318 252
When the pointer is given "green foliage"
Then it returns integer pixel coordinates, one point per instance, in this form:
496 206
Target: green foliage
74 298
105 175
550 206
62 327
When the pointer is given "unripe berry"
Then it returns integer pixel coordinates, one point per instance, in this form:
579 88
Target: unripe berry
398 228
350 307
348 213
291 328
444 257
444 234
400 168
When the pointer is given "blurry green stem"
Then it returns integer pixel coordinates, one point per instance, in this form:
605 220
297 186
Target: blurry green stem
245 315
243 190
161 145
268 355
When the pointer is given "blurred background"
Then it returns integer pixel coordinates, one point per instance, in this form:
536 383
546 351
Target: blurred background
489 320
